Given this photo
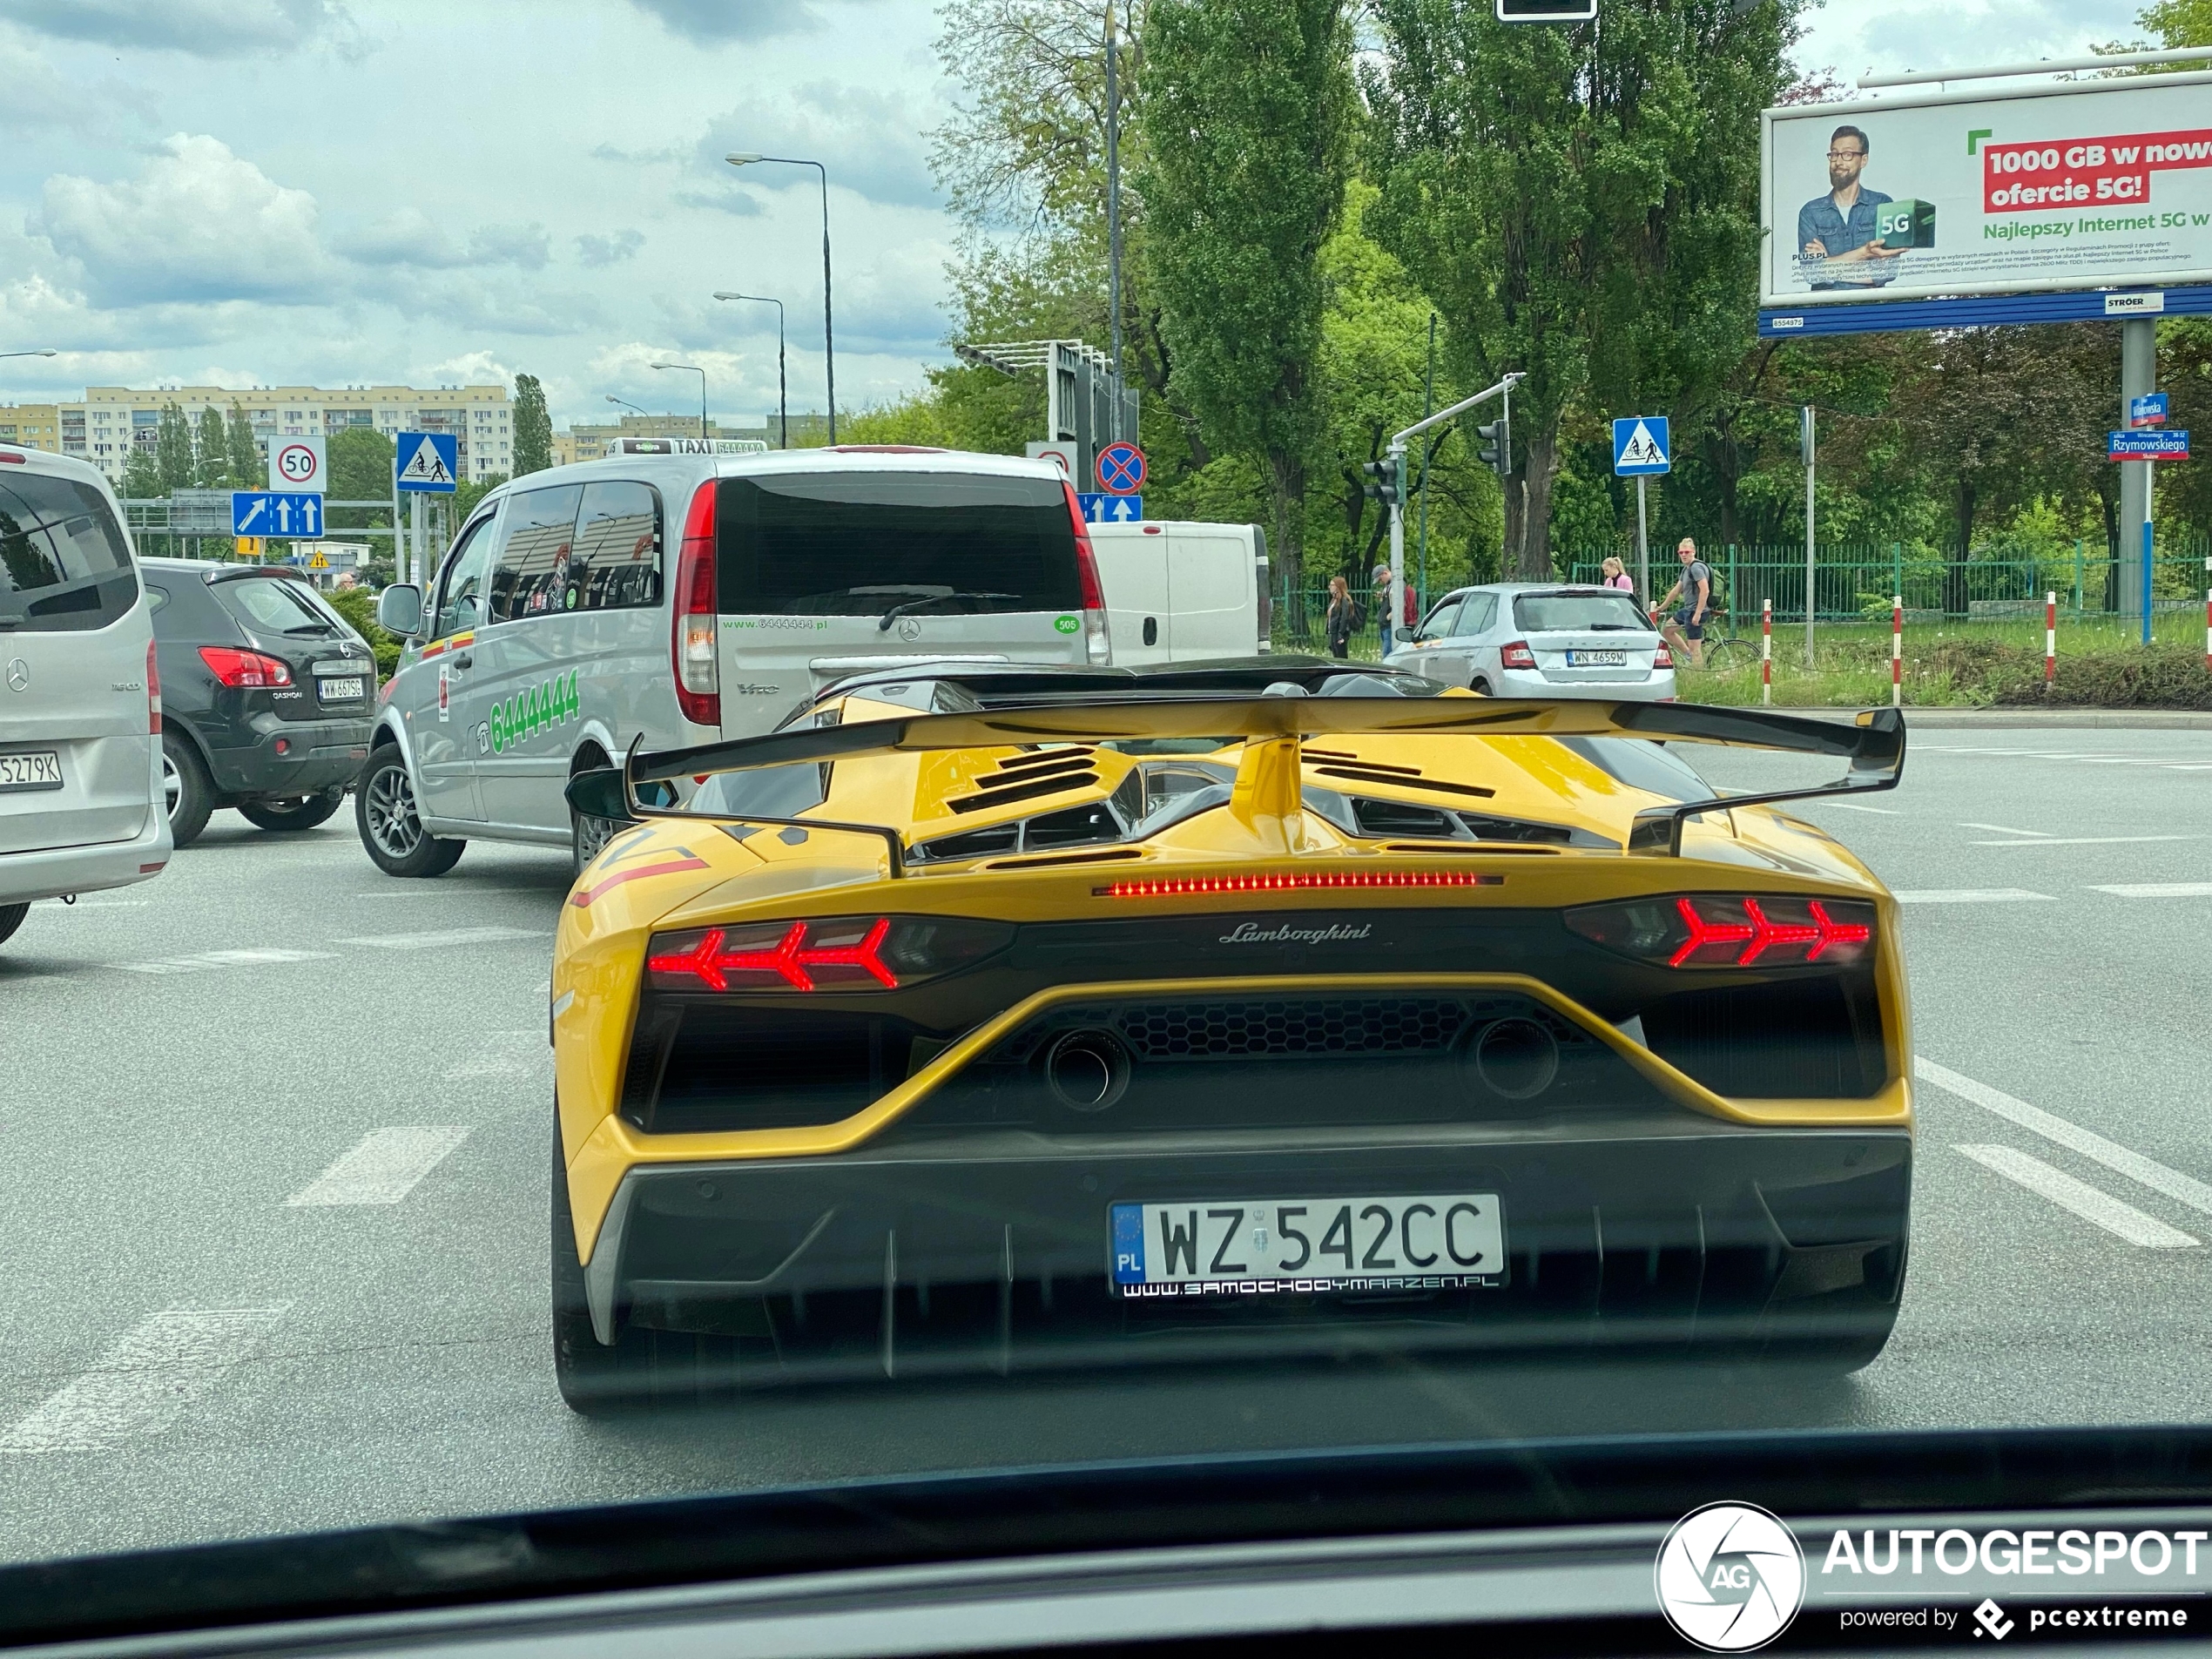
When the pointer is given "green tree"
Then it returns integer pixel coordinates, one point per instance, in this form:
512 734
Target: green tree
533 427
141 476
1248 114
210 450
248 469
467 493
361 465
173 449
1580 203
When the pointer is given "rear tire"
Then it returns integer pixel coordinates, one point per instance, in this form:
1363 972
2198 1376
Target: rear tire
1725 655
302 812
188 791
11 917
391 831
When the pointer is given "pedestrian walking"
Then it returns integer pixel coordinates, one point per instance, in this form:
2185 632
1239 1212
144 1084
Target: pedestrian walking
1616 575
1341 618
1382 605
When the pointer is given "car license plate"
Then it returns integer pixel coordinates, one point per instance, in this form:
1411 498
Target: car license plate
345 690
1597 659
32 769
1241 1246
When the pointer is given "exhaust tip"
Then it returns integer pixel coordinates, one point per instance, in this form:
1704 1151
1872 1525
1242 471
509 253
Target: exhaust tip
1518 1059
1086 1071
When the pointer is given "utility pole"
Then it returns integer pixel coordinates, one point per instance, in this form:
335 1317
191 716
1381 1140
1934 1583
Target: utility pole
1397 453
1428 454
1113 211
1807 437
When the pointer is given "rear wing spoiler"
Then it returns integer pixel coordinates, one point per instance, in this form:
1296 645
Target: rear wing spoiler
1871 744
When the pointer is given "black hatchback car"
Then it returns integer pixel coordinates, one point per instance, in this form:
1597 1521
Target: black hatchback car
268 694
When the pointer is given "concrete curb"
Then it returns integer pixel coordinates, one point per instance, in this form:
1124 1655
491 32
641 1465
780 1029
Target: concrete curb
1962 720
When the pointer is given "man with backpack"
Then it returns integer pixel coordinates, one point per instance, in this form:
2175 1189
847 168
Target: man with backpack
1692 597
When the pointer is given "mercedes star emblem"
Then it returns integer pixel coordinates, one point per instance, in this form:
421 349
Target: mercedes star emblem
18 674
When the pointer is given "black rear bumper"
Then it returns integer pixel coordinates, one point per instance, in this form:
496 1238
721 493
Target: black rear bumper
318 755
991 1250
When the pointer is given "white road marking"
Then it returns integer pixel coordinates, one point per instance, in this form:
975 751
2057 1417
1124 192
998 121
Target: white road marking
144 1381
111 904
2158 890
383 1168
506 1053
2007 829
441 939
1860 806
2148 1172
2088 840
2080 1197
1971 895
200 962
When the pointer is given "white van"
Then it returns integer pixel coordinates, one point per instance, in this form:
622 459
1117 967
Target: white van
1183 592
81 803
680 592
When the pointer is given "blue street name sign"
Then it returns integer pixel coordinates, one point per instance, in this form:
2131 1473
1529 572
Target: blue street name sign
1640 445
1111 510
2148 410
275 512
428 463
2147 446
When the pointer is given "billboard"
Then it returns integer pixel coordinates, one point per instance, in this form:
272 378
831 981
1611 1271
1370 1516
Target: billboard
2057 185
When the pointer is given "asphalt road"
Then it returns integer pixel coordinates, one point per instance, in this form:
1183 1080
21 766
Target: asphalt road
200 1339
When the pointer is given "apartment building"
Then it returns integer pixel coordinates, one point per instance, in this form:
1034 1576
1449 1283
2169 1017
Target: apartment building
31 426
113 419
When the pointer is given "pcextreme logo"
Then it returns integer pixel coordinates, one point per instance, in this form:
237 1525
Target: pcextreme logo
549 704
1730 1577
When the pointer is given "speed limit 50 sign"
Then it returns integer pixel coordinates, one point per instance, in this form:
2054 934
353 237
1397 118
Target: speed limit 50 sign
298 464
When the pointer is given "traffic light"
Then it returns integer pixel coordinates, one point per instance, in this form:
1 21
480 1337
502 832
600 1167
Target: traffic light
1496 450
1388 486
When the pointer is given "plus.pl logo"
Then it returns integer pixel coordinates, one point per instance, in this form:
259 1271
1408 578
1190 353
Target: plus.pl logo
1730 1577
1992 1618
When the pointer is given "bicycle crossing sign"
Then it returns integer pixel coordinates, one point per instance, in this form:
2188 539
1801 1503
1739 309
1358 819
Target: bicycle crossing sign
1640 445
1121 469
428 461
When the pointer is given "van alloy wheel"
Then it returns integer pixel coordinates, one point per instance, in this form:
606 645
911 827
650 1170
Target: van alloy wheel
390 814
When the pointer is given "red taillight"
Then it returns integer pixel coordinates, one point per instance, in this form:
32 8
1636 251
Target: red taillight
1098 644
1187 886
153 691
715 963
1662 658
12 457
835 954
1710 930
250 668
1517 655
691 652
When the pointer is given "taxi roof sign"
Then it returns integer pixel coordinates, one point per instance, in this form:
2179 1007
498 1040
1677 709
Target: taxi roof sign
688 447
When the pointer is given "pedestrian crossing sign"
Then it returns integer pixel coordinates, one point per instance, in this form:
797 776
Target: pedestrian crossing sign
428 461
1640 445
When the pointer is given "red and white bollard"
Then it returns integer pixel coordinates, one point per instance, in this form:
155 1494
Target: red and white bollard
1897 652
2050 639
2208 628
1766 651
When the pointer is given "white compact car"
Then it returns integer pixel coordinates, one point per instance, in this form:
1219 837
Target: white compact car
81 803
1541 639
681 592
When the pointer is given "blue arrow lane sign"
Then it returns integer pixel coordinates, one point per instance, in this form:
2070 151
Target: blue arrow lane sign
275 512
1111 510
1640 445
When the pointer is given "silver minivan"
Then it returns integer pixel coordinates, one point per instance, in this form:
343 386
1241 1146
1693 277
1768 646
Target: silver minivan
675 592
81 803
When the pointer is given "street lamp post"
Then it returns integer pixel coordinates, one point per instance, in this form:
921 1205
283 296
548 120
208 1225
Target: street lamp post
701 373
783 403
44 352
746 159
627 404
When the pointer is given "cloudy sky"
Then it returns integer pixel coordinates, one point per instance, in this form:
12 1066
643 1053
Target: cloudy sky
338 192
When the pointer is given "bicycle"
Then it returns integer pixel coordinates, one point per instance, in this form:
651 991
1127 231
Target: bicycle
1724 650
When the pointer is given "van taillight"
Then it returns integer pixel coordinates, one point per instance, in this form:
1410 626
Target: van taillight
1267 605
153 692
1098 644
698 683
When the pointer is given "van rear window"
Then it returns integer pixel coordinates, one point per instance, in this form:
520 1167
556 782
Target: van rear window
854 544
64 567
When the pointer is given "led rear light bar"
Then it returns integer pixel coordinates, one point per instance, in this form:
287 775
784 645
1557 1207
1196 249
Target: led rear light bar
713 964
836 953
1180 887
1723 930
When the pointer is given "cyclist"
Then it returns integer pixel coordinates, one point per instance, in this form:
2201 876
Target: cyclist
1692 596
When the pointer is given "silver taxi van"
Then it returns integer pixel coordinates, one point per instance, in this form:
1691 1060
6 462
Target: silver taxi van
681 592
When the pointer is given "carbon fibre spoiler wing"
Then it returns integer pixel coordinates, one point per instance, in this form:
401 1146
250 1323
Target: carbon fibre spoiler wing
1871 744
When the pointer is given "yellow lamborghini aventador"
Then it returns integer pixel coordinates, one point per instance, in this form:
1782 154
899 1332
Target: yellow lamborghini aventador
1002 1018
